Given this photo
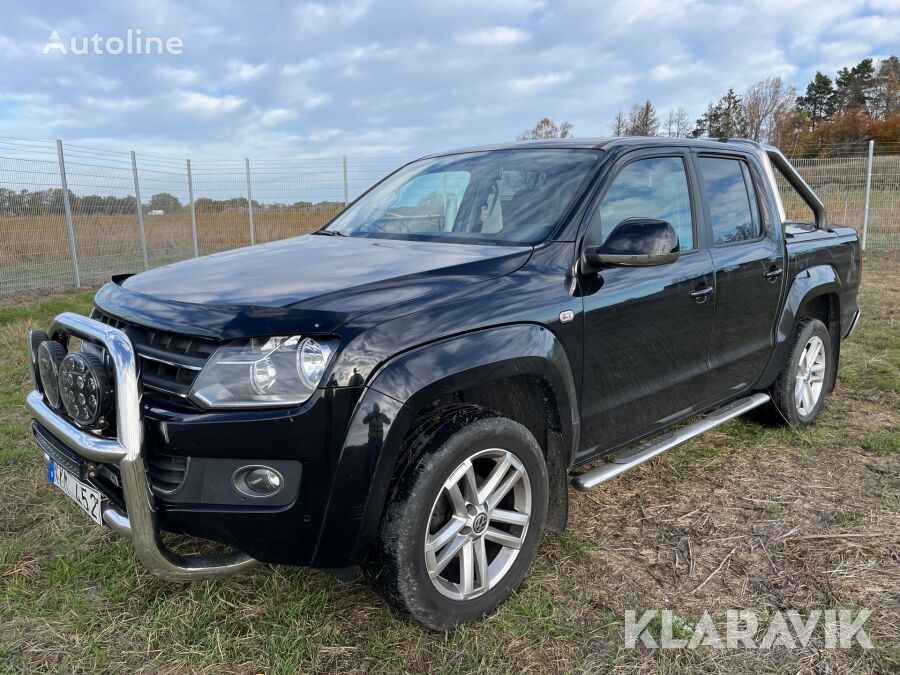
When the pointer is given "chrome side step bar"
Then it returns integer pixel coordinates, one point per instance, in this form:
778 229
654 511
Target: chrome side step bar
619 464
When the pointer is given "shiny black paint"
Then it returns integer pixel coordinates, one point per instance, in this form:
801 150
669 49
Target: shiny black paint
307 285
750 280
314 434
645 347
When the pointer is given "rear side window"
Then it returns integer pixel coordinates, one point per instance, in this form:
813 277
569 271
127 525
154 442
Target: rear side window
655 188
732 205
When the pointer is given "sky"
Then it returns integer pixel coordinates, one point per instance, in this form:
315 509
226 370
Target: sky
361 77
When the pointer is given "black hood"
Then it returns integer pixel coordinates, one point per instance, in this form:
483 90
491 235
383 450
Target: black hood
310 284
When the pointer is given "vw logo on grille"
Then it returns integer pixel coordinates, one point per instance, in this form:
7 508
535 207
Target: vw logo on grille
479 525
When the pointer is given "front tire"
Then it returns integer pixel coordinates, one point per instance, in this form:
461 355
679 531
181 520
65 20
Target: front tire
465 522
798 394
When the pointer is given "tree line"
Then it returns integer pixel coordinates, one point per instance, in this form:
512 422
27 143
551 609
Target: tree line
860 103
51 202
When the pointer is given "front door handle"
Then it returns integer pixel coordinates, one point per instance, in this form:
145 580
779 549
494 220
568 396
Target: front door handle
773 273
701 294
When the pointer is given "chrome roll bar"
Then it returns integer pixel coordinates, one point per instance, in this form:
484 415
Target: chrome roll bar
139 521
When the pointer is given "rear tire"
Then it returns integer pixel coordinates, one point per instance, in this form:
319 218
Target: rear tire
798 393
465 522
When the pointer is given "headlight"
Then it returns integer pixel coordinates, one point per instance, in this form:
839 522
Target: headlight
263 372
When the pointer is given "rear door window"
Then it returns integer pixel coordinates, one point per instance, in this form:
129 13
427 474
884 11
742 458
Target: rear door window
731 200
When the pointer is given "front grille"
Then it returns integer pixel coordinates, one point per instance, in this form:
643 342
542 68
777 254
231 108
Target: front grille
169 362
167 472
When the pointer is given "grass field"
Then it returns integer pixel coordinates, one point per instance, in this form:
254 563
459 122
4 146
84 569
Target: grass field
780 518
34 251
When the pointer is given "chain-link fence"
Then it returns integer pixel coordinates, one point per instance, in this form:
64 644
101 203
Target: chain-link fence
69 214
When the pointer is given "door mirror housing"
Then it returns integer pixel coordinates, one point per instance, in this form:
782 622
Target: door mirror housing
634 242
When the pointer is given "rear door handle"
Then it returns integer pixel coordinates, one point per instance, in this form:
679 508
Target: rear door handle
773 273
701 293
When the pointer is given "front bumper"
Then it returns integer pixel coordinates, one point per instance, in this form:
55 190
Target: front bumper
139 520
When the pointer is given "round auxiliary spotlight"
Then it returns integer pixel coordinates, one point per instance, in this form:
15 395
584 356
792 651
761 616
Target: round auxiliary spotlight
50 355
84 388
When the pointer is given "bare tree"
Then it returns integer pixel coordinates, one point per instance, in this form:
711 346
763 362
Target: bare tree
546 128
678 124
669 125
643 120
682 123
764 103
619 125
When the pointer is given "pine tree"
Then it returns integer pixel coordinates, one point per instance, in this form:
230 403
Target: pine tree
724 119
855 87
819 101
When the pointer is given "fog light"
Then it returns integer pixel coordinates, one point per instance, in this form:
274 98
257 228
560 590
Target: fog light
84 388
50 355
257 481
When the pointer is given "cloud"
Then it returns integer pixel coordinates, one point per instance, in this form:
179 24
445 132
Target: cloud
277 117
113 105
182 76
358 76
310 65
9 47
245 72
532 85
496 36
313 16
314 101
204 104
86 79
678 68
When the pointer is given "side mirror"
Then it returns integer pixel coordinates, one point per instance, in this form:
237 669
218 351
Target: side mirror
634 242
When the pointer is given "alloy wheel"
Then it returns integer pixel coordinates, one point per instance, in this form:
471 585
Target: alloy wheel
478 524
810 377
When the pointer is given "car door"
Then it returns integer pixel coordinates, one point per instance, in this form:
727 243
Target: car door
646 328
747 252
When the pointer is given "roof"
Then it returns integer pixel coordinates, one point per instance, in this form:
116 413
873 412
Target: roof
599 143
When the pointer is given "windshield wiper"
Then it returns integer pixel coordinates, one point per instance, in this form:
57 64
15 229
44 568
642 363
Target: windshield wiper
330 233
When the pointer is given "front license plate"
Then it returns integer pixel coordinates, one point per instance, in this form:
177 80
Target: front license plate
89 499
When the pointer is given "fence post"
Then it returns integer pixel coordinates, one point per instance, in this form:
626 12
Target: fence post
70 225
865 231
193 214
250 202
140 211
346 185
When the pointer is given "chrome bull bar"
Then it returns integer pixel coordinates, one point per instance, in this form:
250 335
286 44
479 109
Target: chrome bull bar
139 521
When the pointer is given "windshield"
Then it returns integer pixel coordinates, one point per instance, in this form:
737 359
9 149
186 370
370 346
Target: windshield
493 197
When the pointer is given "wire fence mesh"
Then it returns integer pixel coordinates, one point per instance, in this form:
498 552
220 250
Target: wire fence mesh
198 207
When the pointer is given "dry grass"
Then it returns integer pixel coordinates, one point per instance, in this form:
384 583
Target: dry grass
804 520
34 250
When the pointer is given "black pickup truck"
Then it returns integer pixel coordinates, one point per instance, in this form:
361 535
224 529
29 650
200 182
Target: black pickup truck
409 389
